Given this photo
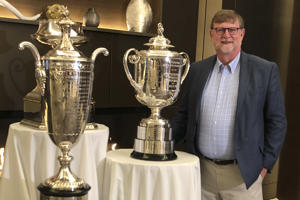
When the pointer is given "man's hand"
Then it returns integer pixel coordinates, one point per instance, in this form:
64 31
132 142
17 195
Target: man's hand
263 172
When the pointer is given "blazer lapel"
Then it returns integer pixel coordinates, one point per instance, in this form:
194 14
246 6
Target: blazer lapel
203 76
243 82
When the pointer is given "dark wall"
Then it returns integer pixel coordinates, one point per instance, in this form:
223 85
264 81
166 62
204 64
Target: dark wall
289 173
260 24
264 23
16 71
180 19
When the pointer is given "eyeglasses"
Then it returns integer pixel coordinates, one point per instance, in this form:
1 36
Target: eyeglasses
231 31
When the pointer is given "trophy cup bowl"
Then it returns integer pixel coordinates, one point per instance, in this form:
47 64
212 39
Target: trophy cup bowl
65 78
158 74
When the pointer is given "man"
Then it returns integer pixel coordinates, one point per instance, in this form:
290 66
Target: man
232 115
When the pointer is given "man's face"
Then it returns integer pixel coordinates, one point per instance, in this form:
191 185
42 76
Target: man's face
228 42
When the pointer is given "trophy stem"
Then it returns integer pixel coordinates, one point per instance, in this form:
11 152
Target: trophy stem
155 113
65 159
65 183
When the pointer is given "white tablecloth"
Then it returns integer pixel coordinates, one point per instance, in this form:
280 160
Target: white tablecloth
31 158
126 178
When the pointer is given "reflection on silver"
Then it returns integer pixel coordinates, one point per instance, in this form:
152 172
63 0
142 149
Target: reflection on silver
157 79
65 77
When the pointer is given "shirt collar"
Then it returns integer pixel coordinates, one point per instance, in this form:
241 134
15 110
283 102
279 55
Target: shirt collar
231 66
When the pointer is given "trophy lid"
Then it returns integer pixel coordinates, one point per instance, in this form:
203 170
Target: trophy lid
65 50
159 45
159 42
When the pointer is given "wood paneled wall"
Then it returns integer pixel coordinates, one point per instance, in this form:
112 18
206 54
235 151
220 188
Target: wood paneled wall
272 32
289 169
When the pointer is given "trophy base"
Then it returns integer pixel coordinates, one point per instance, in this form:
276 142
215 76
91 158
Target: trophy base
34 124
34 110
48 193
153 157
91 126
154 141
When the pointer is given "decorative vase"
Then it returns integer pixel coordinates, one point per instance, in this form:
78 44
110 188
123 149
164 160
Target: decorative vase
138 15
91 18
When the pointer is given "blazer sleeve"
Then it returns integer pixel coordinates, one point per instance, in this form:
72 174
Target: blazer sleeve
179 120
275 119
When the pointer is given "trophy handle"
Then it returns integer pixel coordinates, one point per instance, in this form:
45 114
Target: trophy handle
187 65
133 59
97 51
40 74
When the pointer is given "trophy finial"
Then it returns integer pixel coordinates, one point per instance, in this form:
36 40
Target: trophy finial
159 41
160 29
57 11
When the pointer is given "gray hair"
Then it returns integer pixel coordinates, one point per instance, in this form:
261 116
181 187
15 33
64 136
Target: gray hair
227 16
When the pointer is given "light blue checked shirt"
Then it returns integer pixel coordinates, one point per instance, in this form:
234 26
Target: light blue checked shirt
218 106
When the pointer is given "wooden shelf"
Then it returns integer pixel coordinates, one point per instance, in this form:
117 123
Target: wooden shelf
106 30
112 13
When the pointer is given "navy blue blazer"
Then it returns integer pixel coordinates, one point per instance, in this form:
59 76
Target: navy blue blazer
260 121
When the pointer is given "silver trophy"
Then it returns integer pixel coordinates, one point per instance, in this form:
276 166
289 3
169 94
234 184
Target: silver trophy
65 79
157 79
49 33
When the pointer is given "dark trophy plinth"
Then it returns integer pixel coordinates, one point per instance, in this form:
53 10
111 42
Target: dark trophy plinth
48 193
153 157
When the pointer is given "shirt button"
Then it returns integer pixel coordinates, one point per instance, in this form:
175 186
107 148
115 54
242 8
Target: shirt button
215 122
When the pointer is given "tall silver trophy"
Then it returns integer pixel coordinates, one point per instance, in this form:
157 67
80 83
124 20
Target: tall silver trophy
65 78
158 74
49 33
